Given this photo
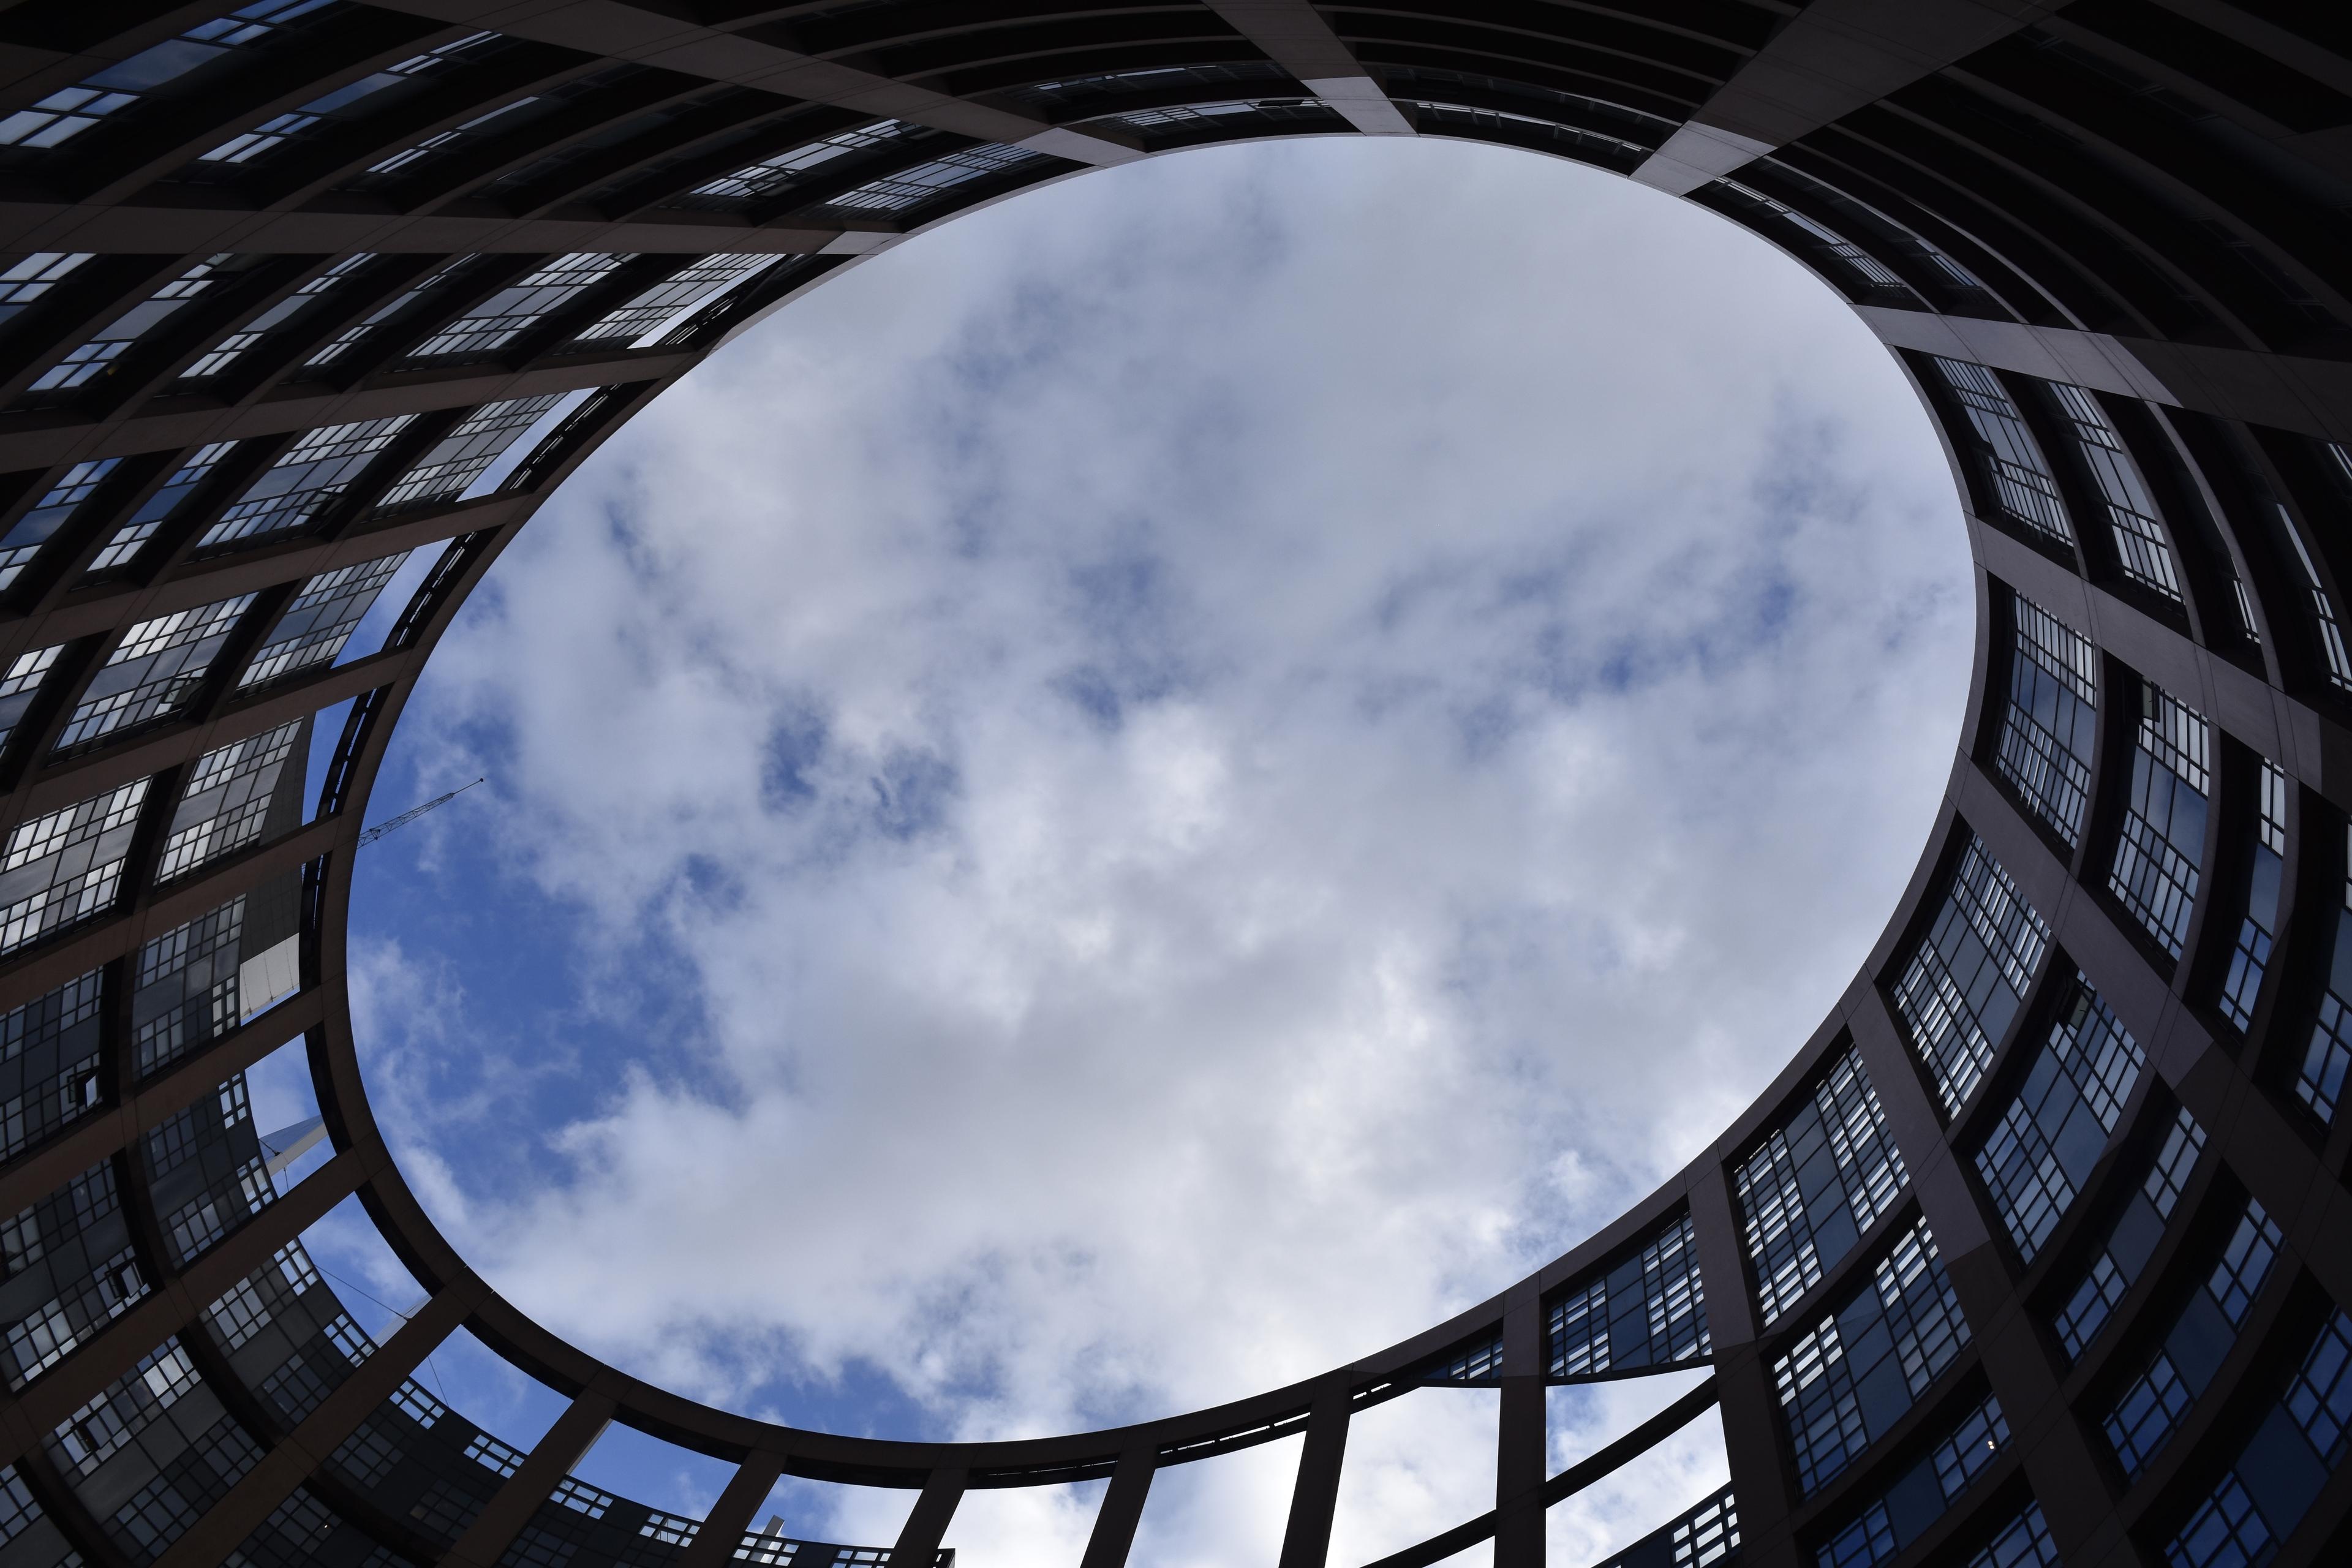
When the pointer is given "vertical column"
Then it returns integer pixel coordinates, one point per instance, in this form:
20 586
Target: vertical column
714 1544
1751 1442
1520 1452
550 1460
1306 1540
2066 1477
1122 1509
918 1543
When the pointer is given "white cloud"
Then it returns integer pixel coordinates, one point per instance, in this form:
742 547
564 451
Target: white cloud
1207 765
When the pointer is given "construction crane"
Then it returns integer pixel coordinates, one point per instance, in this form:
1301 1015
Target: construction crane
411 815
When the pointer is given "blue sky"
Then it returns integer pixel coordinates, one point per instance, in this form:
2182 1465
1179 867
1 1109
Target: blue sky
1176 780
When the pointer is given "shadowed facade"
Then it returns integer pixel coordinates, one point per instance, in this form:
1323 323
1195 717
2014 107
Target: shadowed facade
2037 1251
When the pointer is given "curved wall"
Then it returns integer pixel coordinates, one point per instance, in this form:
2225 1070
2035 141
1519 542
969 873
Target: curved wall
2037 1251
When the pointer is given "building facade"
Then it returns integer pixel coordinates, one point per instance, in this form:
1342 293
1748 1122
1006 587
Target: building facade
2040 1249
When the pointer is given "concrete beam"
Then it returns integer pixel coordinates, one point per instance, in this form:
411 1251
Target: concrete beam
1833 58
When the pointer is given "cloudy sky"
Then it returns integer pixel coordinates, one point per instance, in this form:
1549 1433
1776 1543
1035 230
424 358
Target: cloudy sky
1147 793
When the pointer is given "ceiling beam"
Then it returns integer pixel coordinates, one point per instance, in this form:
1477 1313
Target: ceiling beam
621 31
1294 36
1833 58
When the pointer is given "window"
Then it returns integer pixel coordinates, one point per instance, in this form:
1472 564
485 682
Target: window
89 360
2151 1406
2047 734
2012 460
321 619
158 508
1647 1312
2140 546
2163 836
1962 988
2114 1272
66 866
1852 1377
2256 932
643 319
1817 1184
234 346
67 113
25 280
2259 1500
2319 1078
280 129
2323 608
467 452
53 1329
1919 1495
35 528
48 1062
512 310
1872 271
311 476
187 993
154 672
95 1433
21 683
2053 1130
913 187
2024 1542
226 803
772 175
384 316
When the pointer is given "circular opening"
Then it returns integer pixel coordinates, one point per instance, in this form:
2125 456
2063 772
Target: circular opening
1161 786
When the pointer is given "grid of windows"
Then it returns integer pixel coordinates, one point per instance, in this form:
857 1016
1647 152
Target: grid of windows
154 672
48 1063
515 309
2251 957
321 619
66 865
45 516
1649 1311
2152 1406
187 994
159 508
2319 1077
1919 1495
2020 478
119 1412
1816 1184
2163 834
2053 1130
87 362
913 187
465 453
772 175
2047 734
2140 545
1963 986
53 1329
2262 1498
643 319
69 111
300 485
1854 1374
226 803
274 318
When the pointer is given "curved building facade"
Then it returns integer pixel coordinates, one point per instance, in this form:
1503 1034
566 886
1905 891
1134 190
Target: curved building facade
2039 1251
